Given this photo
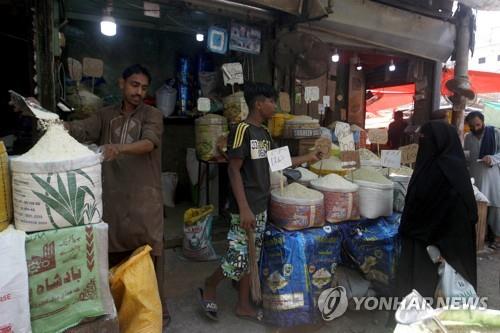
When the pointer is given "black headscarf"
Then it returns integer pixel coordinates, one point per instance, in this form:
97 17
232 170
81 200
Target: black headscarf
440 166
440 207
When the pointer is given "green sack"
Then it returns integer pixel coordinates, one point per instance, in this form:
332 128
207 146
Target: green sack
68 271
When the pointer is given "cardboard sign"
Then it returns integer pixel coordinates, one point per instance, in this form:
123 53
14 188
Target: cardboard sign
203 104
346 143
93 67
326 101
311 94
321 109
151 9
232 73
409 153
350 159
284 100
279 158
391 158
342 129
378 135
323 146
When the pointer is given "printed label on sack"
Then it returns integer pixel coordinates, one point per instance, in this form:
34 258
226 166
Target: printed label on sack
51 201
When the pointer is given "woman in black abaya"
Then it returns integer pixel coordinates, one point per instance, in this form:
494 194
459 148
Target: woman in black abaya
440 210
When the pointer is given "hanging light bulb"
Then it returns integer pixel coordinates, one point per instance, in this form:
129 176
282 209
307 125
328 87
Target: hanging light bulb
200 37
108 24
392 66
359 67
336 56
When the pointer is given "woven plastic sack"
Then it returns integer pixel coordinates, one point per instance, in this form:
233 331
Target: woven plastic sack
135 291
197 243
68 276
56 195
5 189
14 291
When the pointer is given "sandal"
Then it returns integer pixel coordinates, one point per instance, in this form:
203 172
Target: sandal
209 307
258 318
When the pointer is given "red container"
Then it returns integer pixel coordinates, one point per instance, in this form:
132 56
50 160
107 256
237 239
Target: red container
296 214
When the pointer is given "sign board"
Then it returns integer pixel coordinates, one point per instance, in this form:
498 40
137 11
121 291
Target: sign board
93 67
409 153
217 40
346 143
284 100
311 94
232 73
378 135
342 129
323 146
279 158
391 158
350 159
326 101
245 39
203 104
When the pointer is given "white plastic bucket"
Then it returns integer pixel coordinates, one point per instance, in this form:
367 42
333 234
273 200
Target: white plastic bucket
375 200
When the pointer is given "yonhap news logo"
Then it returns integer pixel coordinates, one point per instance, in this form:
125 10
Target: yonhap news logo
333 303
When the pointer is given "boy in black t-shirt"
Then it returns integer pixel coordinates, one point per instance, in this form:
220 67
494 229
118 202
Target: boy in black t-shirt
248 170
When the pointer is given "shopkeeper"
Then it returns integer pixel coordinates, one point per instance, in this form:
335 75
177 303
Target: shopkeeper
130 134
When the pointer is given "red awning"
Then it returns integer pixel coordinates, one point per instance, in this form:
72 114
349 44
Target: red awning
481 82
390 98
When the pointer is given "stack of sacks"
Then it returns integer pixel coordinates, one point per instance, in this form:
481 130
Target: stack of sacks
373 247
57 194
295 268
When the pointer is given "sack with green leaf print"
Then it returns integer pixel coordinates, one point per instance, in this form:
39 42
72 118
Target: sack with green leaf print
57 195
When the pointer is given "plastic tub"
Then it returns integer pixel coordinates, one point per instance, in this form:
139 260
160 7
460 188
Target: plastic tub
296 214
375 199
340 204
400 188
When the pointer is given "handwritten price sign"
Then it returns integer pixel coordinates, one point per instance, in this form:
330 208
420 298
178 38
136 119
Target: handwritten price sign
232 73
342 129
391 158
409 153
378 135
346 143
279 158
311 94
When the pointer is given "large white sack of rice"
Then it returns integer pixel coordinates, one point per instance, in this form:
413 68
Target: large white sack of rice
56 184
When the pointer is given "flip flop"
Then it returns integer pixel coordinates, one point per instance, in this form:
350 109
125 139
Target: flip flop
209 307
258 318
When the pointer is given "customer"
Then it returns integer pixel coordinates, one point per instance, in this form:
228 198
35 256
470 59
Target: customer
483 144
248 171
396 131
440 210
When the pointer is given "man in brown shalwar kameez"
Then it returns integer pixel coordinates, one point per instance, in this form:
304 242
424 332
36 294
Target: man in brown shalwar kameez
130 135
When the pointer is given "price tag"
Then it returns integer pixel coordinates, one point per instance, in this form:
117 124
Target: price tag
203 104
279 158
346 143
350 159
378 135
326 101
409 153
391 158
232 73
311 94
342 129
321 109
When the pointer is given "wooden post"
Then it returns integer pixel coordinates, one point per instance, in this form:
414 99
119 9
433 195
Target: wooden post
44 32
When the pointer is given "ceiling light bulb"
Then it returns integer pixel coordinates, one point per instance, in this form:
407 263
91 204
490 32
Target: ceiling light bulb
200 37
392 67
359 67
108 26
336 56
